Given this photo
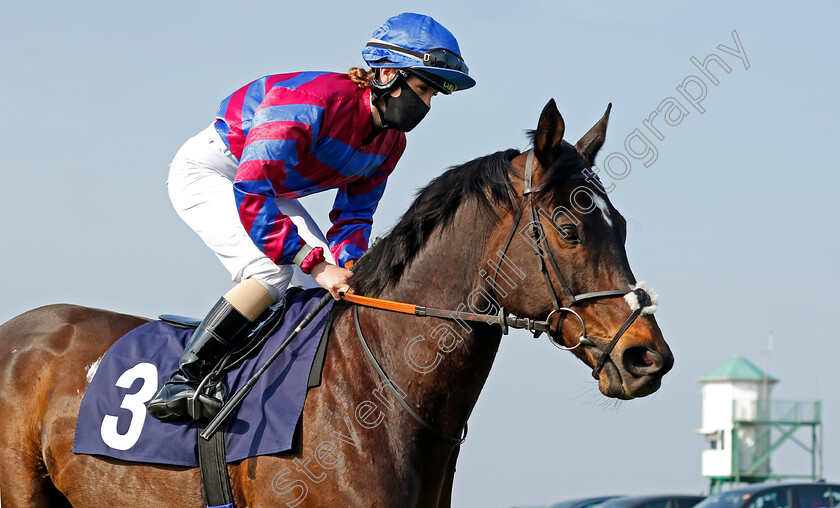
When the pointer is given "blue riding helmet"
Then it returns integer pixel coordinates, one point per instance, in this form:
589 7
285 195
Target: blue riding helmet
422 46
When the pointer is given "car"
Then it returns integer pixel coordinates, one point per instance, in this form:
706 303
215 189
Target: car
585 502
777 495
654 501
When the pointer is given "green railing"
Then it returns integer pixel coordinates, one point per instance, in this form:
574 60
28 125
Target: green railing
779 411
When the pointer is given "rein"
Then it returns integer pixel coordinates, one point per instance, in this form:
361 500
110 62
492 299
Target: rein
502 318
390 384
639 300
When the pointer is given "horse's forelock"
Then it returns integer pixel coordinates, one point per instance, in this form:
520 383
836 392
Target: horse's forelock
566 163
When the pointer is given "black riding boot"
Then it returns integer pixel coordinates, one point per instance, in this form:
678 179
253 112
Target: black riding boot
217 333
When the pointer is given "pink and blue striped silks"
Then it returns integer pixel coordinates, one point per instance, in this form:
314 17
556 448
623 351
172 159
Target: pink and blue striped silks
301 133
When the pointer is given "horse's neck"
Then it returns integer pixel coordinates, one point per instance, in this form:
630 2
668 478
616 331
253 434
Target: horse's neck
444 363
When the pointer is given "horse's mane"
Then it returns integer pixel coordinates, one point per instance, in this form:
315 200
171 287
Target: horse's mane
484 179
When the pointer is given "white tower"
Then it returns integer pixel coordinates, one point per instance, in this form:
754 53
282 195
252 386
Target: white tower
737 391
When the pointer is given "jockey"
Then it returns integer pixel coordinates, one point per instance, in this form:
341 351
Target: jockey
285 136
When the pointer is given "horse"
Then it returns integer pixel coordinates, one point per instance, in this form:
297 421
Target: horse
384 427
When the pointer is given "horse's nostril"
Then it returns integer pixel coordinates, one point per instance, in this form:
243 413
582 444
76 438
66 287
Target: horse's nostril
642 361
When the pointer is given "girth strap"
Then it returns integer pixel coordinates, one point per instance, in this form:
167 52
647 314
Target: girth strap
213 465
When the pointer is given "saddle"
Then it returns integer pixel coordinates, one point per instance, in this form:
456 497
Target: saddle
212 392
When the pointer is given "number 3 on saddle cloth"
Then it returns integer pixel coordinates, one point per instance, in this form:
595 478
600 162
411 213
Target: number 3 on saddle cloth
113 420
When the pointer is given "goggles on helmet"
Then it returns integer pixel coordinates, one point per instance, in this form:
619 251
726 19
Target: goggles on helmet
438 57
442 57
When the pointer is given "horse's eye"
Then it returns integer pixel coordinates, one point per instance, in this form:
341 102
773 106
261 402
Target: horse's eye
569 233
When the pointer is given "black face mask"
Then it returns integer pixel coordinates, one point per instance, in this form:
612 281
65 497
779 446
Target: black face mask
402 113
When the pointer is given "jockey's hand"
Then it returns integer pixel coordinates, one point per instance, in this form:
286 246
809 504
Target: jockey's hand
334 279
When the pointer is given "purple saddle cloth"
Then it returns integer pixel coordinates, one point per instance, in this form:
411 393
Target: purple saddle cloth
113 420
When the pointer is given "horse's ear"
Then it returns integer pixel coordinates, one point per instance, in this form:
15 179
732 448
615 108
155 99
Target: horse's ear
549 133
591 142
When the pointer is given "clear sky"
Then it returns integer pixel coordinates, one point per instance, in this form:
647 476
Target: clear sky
734 223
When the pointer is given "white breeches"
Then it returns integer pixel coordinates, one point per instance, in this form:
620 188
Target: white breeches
201 190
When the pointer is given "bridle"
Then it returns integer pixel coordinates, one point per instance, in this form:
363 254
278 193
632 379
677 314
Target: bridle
639 300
